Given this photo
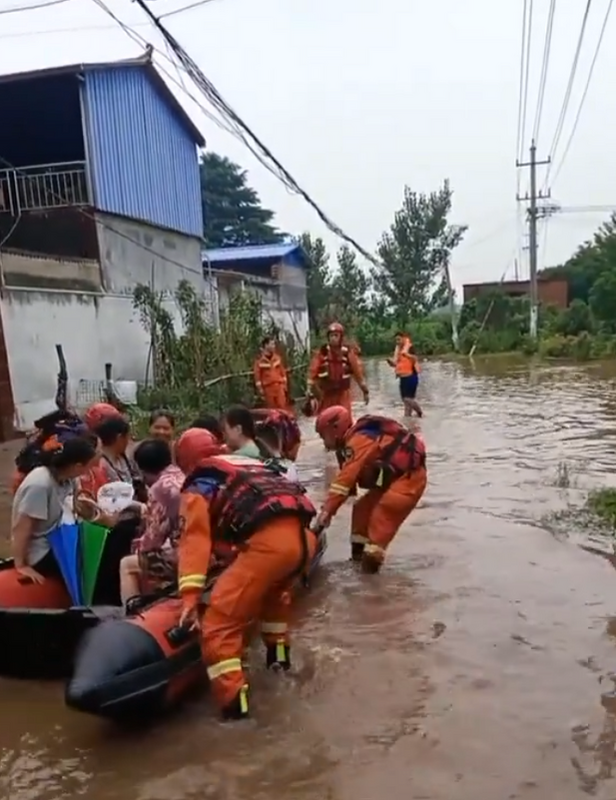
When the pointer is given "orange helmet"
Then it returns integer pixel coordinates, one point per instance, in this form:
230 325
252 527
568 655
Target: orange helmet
336 419
335 327
193 446
98 413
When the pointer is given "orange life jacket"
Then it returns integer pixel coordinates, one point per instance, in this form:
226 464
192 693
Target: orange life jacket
335 367
402 455
243 499
284 424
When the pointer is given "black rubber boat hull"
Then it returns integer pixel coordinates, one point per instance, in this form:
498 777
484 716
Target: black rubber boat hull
139 667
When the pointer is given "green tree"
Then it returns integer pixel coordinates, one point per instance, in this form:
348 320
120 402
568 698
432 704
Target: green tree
603 300
574 320
318 279
349 287
232 211
414 252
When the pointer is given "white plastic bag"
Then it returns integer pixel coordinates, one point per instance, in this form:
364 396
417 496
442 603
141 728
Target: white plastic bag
115 497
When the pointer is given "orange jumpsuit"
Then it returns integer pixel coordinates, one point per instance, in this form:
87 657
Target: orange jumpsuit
378 514
330 373
271 380
254 587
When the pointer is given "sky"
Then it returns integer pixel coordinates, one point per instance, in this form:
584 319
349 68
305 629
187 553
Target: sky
358 98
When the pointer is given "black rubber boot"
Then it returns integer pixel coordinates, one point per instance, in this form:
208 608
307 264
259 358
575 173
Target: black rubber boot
357 551
369 564
278 657
238 708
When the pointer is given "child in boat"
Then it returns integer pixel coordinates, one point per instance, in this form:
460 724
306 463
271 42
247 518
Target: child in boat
154 557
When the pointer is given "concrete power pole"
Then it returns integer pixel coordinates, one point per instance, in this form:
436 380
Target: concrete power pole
533 215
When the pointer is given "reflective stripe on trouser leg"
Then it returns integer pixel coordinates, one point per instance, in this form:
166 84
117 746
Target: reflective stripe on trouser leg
374 551
227 680
358 538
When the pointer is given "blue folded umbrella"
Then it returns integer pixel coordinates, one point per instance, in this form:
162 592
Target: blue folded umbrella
64 542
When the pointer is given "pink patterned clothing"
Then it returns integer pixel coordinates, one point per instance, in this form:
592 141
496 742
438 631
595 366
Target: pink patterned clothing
157 545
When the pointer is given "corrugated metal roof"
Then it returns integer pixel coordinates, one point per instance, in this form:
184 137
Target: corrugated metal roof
143 161
253 252
142 62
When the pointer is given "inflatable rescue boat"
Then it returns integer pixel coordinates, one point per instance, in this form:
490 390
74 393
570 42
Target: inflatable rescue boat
141 665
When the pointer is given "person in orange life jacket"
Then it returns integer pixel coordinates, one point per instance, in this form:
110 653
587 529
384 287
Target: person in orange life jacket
234 499
331 370
406 364
270 376
286 426
385 458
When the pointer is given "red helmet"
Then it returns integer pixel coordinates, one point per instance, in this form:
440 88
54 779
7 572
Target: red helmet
193 446
98 413
336 327
335 419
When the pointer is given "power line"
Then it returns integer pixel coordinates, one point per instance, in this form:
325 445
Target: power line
255 144
188 7
549 27
46 4
51 31
568 90
585 92
527 34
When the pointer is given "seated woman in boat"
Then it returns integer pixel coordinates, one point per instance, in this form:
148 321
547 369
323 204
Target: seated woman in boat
49 431
154 557
240 433
209 422
39 503
162 425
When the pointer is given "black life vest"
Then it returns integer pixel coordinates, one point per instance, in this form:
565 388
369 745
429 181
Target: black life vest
243 497
404 453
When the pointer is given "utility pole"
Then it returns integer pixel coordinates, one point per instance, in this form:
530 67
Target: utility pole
533 215
455 336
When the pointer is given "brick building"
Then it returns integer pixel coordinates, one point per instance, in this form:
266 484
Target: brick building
552 292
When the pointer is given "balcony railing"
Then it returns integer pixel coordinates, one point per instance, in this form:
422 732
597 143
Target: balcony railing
43 186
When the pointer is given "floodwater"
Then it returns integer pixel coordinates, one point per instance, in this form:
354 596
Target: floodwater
477 666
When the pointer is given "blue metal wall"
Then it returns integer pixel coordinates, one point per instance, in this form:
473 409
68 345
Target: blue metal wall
143 160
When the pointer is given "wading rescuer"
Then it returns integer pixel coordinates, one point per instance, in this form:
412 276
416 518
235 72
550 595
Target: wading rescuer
388 460
270 376
406 365
239 502
331 370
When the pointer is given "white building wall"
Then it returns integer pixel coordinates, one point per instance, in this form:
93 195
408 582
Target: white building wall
95 325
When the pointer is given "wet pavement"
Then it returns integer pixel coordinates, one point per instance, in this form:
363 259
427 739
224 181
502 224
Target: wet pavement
477 666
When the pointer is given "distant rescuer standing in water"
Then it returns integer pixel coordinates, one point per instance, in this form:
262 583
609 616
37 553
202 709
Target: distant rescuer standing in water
406 364
384 457
270 376
331 370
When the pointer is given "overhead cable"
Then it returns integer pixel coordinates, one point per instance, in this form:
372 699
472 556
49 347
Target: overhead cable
585 92
549 27
568 90
260 150
34 7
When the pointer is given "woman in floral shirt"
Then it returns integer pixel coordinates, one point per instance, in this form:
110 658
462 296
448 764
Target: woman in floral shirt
154 558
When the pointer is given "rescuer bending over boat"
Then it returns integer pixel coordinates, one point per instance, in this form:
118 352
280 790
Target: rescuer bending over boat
237 501
387 459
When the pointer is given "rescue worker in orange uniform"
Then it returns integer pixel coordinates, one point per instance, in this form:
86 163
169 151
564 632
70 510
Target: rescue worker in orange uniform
286 427
236 500
385 458
270 376
331 370
406 364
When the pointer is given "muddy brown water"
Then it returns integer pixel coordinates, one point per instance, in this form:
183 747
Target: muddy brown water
477 666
